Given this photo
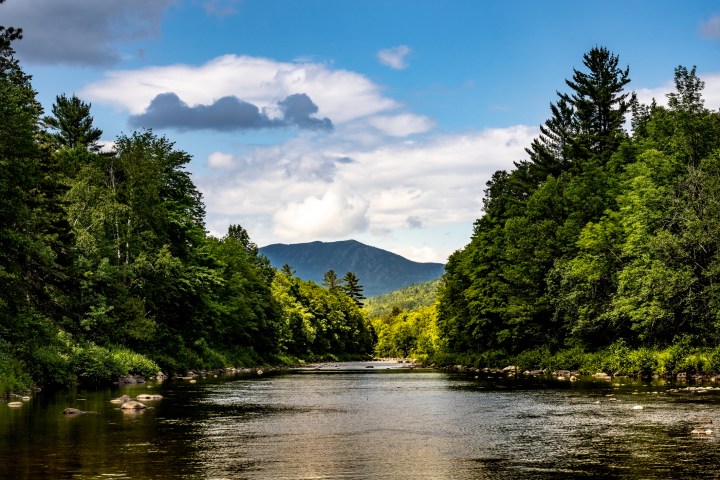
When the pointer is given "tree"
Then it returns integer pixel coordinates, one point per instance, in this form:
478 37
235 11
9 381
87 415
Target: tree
550 152
71 124
331 281
353 288
287 270
599 103
7 36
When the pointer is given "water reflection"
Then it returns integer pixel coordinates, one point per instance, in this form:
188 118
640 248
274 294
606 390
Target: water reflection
357 423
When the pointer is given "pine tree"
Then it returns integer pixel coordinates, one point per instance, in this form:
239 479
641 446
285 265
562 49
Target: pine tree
599 103
549 153
331 281
71 124
353 289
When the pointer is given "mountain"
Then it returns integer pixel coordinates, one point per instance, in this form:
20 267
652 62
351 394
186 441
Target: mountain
378 270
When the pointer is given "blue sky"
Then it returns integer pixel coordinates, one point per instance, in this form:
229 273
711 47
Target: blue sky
328 120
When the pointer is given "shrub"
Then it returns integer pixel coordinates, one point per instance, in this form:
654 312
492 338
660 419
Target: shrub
95 364
643 362
13 376
52 365
129 362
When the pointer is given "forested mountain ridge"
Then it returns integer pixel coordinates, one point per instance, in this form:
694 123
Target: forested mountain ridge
378 270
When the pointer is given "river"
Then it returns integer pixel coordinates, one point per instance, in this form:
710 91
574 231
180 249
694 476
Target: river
349 421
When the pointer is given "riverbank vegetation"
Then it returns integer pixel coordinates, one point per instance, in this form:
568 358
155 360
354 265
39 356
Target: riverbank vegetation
107 269
601 241
599 252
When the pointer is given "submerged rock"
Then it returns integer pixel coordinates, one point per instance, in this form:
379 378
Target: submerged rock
15 404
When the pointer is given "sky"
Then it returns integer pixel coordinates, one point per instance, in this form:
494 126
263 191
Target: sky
374 120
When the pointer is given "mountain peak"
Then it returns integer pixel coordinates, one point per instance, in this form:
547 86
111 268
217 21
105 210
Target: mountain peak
378 270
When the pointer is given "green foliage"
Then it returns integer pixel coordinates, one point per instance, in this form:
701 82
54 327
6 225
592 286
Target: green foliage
71 124
411 334
405 299
13 376
603 246
319 321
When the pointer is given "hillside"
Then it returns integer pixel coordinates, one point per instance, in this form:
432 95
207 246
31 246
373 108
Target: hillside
406 299
379 271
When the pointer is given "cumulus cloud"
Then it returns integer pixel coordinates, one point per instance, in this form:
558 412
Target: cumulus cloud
401 125
227 114
336 214
341 95
81 32
711 27
394 57
327 189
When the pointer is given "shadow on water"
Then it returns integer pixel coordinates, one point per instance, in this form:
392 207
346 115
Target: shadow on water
354 422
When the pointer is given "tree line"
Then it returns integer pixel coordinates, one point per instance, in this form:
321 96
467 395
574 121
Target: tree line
107 268
605 239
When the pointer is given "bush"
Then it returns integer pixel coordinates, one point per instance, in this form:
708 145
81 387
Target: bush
643 362
51 365
95 364
13 377
128 362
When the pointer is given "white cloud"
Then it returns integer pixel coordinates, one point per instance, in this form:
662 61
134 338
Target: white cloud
220 160
401 125
341 95
310 189
394 57
336 214
711 27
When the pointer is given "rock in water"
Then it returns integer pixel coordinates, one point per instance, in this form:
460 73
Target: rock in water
146 397
120 400
71 411
132 405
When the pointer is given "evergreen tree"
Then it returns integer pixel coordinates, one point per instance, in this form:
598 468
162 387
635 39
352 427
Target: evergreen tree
550 152
71 124
331 281
599 103
353 289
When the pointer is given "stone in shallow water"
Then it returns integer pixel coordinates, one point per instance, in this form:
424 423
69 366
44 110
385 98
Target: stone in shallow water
145 397
132 405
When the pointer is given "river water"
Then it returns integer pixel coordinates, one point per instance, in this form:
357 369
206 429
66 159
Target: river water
348 421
